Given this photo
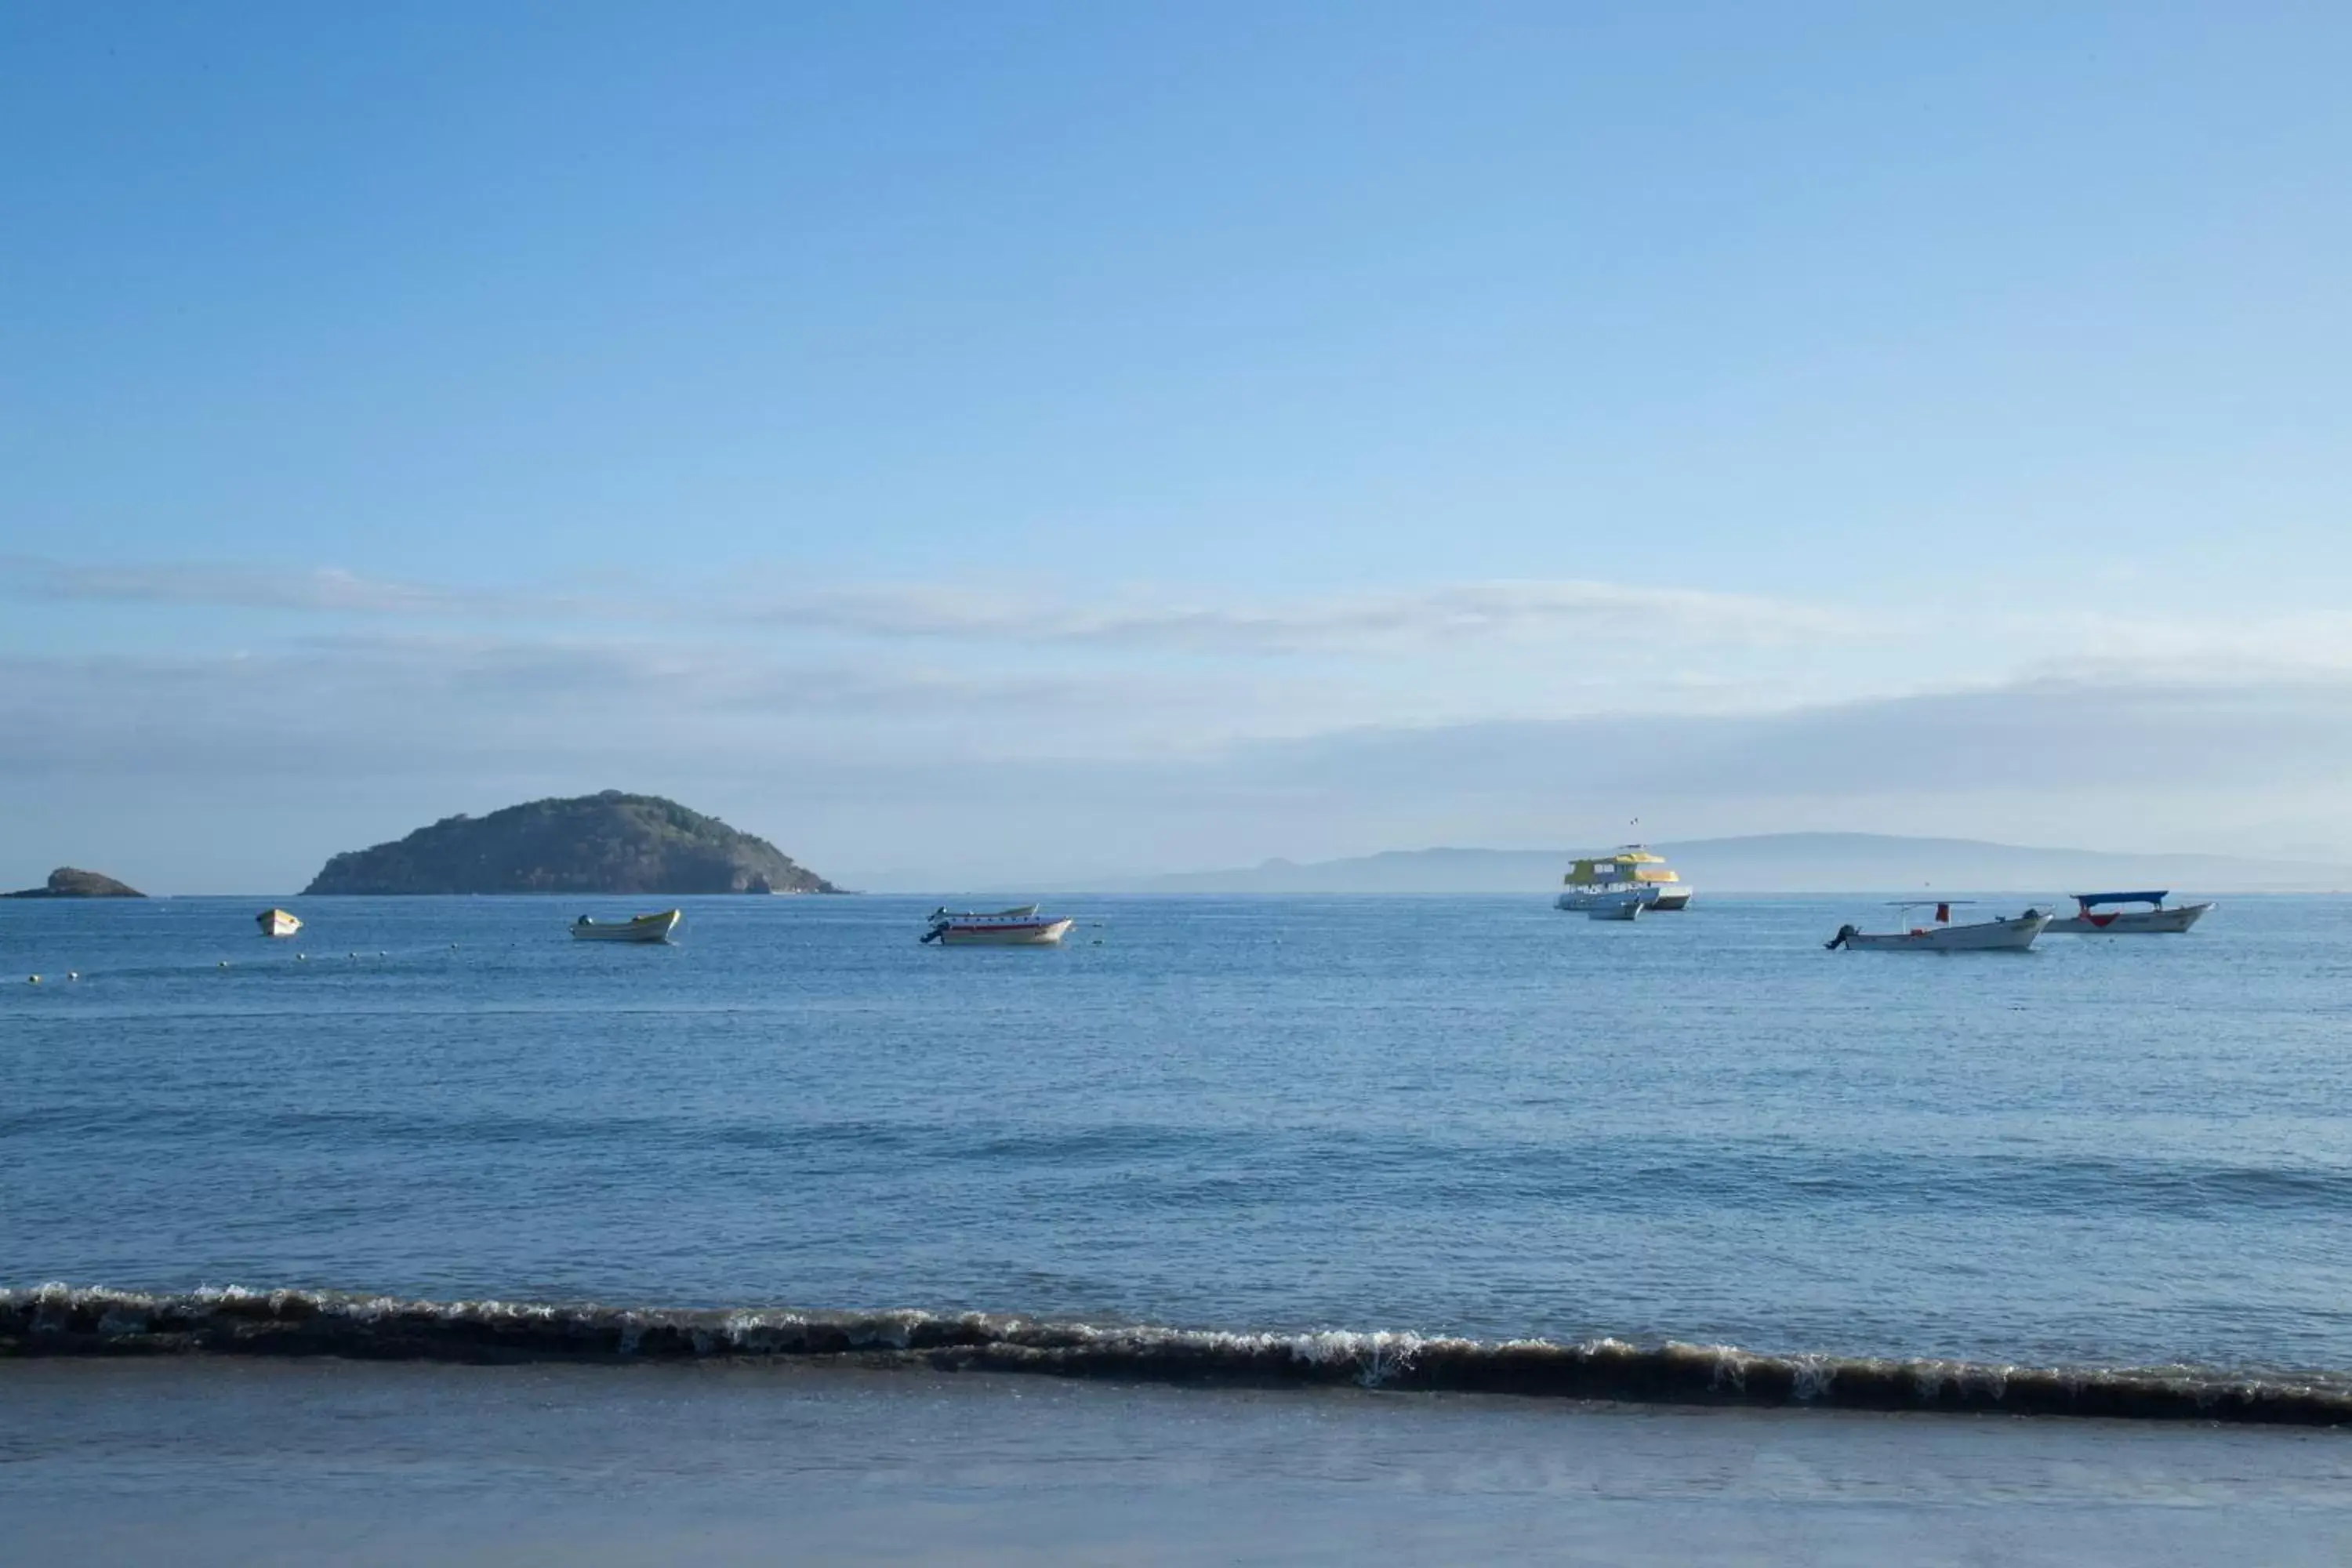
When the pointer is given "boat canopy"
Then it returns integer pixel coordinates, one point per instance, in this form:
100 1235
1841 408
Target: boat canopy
2092 900
1630 864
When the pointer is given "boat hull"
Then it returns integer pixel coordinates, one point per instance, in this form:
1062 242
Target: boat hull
1585 900
277 923
1033 933
643 928
1988 936
2133 922
1628 909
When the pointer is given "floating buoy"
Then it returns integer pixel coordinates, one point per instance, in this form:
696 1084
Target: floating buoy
224 963
301 957
31 980
350 955
73 974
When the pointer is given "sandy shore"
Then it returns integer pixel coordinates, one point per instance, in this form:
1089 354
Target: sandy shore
220 1462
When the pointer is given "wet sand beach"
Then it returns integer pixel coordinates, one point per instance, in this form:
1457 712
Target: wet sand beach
279 1462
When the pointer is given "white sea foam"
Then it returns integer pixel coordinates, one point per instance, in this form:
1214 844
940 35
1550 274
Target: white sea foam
55 1318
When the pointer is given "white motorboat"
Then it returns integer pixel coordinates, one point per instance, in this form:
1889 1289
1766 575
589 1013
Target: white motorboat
1020 927
2003 934
641 928
276 922
1599 880
2088 920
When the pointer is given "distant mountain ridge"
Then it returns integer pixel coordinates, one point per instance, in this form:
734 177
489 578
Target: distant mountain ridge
1777 863
608 843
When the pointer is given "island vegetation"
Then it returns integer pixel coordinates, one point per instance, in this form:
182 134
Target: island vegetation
70 883
607 843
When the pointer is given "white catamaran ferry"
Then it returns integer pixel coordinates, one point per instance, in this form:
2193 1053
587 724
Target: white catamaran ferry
1605 882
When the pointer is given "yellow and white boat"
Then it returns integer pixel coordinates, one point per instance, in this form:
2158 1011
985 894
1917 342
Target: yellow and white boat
276 922
1603 882
642 928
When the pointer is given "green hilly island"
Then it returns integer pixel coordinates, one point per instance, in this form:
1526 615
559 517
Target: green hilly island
608 843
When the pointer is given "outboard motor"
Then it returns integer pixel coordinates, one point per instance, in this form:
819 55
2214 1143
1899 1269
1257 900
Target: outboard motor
1844 934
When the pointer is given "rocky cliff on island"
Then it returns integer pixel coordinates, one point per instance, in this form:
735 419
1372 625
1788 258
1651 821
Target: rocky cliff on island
66 883
608 843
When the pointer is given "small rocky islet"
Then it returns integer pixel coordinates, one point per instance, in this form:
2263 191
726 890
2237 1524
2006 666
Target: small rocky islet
72 883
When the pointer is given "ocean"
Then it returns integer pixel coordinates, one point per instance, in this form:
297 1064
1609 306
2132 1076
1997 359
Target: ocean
1454 1189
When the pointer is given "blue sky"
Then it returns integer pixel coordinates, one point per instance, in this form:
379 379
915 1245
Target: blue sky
970 444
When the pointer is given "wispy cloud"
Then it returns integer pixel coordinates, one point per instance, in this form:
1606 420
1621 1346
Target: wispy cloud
1649 626
1359 621
2230 641
228 586
2118 738
433 700
405 703
1141 618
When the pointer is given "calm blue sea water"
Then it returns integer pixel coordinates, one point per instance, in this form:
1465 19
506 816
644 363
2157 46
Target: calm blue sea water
1467 1115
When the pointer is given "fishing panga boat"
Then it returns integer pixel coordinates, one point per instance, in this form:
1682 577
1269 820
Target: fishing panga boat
1602 880
1625 906
2087 919
1019 927
2003 934
642 928
276 922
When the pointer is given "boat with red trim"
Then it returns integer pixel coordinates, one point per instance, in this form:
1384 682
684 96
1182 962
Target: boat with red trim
1020 927
2088 919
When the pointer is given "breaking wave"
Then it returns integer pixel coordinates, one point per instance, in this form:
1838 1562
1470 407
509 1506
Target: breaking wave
67 1321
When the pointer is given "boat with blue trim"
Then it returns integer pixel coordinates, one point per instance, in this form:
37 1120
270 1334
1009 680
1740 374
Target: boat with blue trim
2093 916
